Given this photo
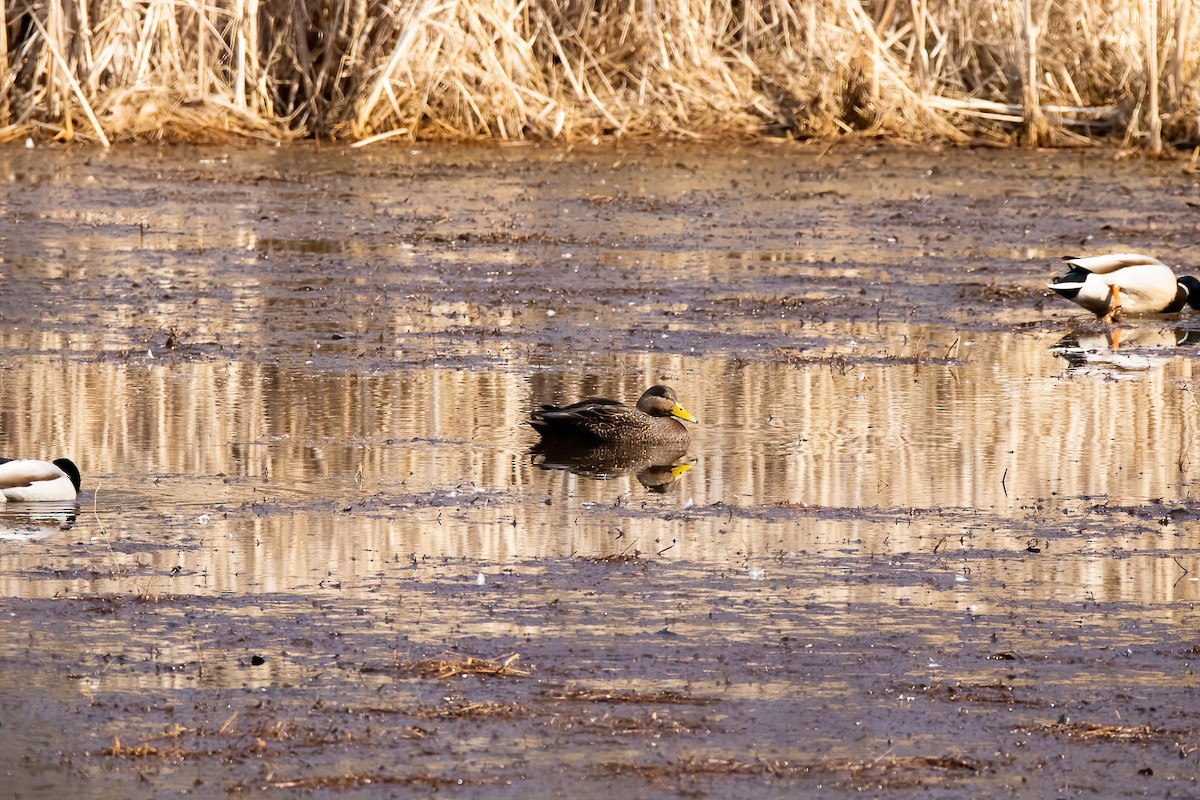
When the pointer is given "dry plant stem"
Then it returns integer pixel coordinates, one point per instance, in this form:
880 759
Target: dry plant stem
239 86
920 11
5 118
202 47
1036 129
1155 120
380 137
96 516
1179 95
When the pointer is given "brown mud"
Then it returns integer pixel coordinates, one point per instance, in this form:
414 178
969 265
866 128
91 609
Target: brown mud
934 533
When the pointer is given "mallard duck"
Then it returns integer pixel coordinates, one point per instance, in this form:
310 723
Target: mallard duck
656 420
25 480
1128 283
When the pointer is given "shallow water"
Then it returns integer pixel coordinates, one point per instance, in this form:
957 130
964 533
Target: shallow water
297 382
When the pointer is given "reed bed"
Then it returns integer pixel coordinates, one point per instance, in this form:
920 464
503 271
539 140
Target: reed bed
1040 71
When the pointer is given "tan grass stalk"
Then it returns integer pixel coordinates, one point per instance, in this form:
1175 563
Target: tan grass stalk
1155 118
1182 33
920 12
201 47
379 137
5 117
1035 128
239 86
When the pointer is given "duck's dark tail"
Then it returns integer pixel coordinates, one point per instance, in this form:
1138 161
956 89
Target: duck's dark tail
71 471
1069 285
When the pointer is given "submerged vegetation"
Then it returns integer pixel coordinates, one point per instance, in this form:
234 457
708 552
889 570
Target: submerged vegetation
1043 71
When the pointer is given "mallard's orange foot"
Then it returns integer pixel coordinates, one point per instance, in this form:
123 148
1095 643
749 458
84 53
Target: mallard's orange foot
1114 305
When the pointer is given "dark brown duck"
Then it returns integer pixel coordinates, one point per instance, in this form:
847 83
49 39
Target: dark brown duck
655 420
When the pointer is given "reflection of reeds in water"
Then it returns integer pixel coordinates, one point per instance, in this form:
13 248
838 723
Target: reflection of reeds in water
551 68
328 473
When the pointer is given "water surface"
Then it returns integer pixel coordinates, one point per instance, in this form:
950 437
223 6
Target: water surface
297 385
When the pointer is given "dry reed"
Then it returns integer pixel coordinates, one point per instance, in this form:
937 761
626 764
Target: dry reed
364 70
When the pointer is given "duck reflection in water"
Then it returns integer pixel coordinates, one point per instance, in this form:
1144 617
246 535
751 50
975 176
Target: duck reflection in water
31 522
1122 352
602 438
657 467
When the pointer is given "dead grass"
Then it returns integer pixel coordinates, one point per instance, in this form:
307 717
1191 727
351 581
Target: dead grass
628 557
354 780
170 752
1095 732
651 725
887 772
660 698
453 665
372 70
475 711
996 692
843 363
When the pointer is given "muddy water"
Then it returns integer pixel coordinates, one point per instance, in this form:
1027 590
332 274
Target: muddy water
934 531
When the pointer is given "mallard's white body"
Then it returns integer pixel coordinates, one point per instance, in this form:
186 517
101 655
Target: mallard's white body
1125 283
25 480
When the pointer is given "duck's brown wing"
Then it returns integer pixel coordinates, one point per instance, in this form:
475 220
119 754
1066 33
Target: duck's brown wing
585 403
594 418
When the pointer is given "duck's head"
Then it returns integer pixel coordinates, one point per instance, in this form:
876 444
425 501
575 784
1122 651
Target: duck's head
1191 286
660 401
70 470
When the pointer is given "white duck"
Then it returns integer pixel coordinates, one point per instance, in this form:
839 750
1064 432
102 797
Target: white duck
1129 283
25 480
